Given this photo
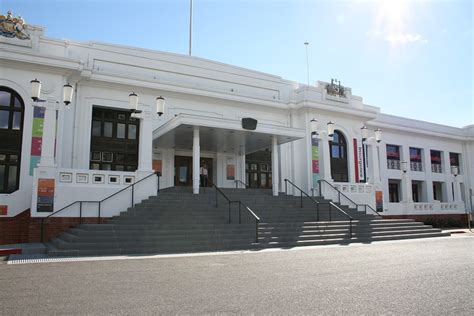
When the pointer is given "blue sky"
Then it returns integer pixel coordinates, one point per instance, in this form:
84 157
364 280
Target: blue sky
410 58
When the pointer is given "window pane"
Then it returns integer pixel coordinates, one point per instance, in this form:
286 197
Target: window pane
132 131
3 157
120 130
95 166
106 166
108 128
119 167
107 157
12 178
109 115
335 151
5 98
95 156
16 124
2 176
17 103
95 128
13 158
4 118
120 158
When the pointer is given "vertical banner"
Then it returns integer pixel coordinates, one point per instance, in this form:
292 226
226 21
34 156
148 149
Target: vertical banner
45 201
36 137
230 170
315 161
356 161
361 162
378 201
3 209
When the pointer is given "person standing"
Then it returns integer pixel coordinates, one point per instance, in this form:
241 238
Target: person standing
204 175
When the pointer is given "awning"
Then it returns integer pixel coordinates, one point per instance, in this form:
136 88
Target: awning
221 135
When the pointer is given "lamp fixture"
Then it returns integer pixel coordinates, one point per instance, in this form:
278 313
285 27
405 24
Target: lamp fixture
314 126
330 128
365 132
160 105
404 166
68 92
455 171
133 103
378 135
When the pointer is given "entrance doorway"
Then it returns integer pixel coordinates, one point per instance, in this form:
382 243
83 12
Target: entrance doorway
258 170
338 152
183 170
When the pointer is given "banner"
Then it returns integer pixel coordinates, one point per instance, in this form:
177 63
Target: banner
356 161
230 172
158 165
315 161
378 201
3 209
36 137
45 200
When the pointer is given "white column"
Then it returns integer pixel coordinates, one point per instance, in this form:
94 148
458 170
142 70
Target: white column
275 164
407 194
457 191
428 175
145 144
196 158
325 158
49 135
373 163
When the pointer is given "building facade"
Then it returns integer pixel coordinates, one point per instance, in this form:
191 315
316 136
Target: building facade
245 128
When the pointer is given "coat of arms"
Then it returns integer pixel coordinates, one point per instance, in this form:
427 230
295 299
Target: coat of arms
13 27
335 89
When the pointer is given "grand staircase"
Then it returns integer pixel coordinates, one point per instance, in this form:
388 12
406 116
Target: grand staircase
177 221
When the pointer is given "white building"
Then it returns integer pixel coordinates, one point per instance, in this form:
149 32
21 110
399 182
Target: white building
52 155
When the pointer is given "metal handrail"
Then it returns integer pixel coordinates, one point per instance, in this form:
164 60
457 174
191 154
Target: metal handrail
158 174
331 204
237 183
339 193
301 197
230 202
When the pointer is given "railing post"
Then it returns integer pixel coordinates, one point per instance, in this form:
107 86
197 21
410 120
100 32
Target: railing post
338 196
80 212
330 212
229 214
98 216
133 193
301 199
317 212
350 228
256 231
240 215
286 186
158 183
42 229
320 192
365 208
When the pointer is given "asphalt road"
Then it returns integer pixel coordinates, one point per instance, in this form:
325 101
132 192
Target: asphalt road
419 277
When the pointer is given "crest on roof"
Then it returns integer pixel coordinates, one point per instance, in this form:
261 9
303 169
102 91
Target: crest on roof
336 89
13 27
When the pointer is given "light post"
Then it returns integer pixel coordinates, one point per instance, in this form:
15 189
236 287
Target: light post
50 107
324 156
366 140
145 151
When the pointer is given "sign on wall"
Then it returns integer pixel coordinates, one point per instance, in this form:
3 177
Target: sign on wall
3 209
378 201
45 201
36 137
315 161
230 171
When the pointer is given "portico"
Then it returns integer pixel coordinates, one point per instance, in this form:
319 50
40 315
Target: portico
227 140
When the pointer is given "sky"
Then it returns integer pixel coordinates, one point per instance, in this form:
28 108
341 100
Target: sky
411 58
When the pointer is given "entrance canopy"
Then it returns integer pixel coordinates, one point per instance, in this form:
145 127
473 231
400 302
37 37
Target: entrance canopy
221 135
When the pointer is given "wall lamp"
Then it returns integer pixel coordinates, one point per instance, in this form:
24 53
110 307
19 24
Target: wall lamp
314 126
68 92
133 104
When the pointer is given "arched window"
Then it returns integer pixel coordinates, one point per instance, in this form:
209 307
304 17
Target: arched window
11 129
338 149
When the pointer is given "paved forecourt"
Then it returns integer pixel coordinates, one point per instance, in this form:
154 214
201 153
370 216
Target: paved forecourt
426 276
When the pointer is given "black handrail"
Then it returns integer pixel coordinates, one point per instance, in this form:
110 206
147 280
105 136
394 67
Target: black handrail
230 202
237 183
331 204
301 197
339 193
158 174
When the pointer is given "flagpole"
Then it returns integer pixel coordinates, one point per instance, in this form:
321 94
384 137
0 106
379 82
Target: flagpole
307 61
190 25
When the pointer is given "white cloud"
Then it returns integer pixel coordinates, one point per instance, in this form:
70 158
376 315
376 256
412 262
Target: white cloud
397 38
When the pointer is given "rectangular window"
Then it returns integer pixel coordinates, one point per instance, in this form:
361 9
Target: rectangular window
96 128
121 130
2 177
393 157
108 129
16 123
436 161
393 191
132 131
4 117
415 159
454 159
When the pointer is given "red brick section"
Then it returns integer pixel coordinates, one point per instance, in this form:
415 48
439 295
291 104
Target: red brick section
23 228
